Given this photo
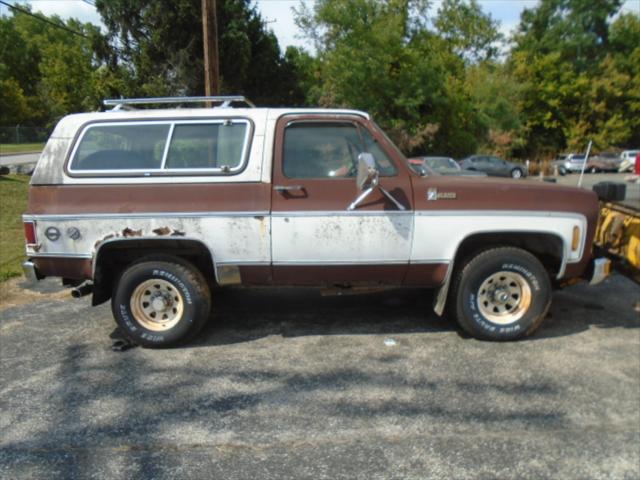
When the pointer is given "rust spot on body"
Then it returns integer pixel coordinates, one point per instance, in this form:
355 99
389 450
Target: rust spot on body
162 231
127 232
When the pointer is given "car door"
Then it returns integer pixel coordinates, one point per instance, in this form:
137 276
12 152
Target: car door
480 163
495 167
315 239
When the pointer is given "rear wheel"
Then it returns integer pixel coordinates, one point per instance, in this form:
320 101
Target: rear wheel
516 173
501 294
159 303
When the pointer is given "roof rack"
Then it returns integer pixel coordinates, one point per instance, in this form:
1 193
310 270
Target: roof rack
127 103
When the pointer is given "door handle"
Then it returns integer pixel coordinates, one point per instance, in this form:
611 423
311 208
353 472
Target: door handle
287 188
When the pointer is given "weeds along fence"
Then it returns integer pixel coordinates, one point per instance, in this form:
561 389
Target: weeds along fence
22 134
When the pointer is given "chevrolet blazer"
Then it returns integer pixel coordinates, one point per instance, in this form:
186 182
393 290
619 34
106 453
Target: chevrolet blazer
153 208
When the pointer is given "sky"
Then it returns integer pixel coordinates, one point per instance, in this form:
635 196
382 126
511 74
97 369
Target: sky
279 16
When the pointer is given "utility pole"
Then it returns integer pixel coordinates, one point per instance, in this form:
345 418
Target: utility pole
210 40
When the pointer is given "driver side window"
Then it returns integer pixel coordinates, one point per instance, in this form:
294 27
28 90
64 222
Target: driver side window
320 150
315 149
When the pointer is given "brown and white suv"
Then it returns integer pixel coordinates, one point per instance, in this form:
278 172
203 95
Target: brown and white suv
152 208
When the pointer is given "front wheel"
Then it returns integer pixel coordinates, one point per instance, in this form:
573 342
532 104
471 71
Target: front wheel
501 294
160 303
516 173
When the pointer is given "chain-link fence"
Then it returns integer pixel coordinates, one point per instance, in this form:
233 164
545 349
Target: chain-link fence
21 134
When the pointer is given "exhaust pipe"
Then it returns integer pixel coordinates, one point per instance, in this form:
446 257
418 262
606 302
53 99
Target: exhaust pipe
82 290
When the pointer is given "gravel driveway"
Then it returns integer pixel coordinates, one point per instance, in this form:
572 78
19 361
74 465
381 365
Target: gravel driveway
289 384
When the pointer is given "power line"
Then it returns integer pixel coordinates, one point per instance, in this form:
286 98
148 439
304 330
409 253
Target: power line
57 25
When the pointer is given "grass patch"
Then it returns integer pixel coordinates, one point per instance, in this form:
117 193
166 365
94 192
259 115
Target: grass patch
7 148
13 203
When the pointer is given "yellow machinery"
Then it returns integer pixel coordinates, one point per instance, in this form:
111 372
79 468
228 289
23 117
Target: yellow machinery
618 233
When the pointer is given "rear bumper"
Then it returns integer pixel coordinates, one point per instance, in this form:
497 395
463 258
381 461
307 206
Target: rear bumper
600 269
31 272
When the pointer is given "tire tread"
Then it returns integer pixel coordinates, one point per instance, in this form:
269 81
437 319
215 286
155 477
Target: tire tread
462 272
191 273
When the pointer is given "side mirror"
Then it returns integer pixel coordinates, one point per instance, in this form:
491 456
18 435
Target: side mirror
368 179
368 175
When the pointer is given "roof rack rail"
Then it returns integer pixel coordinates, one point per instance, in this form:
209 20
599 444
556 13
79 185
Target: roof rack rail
224 101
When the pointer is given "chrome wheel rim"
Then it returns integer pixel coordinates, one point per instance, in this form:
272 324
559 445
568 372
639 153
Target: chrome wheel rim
516 174
504 297
157 305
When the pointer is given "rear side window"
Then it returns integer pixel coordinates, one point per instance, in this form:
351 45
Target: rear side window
206 146
121 147
179 147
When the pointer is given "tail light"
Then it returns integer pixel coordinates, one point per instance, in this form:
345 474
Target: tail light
30 233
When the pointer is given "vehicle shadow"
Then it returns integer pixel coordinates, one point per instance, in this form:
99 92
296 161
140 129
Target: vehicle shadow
581 307
243 315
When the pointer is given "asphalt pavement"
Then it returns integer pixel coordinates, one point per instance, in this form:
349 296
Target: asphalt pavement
289 384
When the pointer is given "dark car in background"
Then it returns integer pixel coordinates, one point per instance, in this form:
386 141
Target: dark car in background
441 165
493 166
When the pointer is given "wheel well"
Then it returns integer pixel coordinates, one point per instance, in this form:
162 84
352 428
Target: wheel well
113 257
546 247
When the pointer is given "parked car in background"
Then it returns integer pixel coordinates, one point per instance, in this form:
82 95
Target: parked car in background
493 166
628 160
569 163
441 165
603 162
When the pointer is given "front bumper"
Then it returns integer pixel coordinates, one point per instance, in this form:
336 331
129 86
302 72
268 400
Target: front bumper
600 269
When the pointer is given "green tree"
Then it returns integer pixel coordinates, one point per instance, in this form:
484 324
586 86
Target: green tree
577 74
495 96
379 56
16 62
577 29
46 70
470 32
159 44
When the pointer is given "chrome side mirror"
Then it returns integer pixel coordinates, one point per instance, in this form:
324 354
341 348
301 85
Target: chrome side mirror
368 180
368 175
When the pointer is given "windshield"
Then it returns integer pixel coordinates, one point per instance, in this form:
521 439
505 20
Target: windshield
393 145
442 163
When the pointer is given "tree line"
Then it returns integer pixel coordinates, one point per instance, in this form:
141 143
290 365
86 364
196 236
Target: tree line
442 81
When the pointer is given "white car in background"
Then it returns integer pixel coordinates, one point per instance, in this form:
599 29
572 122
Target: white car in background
628 160
569 163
